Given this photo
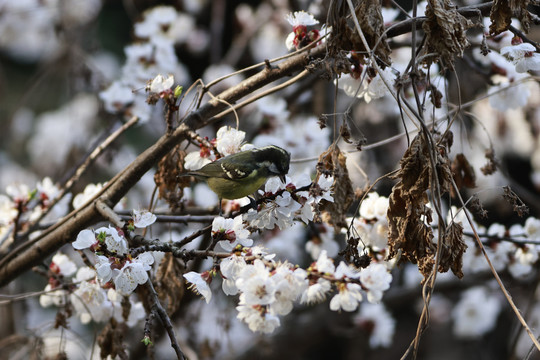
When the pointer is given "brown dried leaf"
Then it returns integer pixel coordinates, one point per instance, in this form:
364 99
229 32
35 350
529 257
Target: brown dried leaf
168 180
491 166
344 36
517 204
111 338
463 173
170 283
333 162
409 233
452 249
445 30
502 12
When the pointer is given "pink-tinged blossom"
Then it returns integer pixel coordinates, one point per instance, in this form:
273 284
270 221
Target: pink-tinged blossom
61 264
229 140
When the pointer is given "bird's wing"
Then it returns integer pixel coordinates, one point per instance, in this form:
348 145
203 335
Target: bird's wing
233 169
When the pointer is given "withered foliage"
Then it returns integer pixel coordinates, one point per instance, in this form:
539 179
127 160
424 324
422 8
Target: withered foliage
168 180
452 249
111 338
463 173
502 12
491 166
333 162
518 206
345 37
445 30
170 283
409 217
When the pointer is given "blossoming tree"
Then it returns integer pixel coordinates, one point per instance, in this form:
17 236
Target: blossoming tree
413 135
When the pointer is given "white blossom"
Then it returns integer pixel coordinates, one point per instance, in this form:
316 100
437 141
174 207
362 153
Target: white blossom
160 84
378 322
200 284
347 299
230 268
233 232
85 239
301 18
316 293
476 313
132 274
229 140
376 279
143 218
63 264
257 318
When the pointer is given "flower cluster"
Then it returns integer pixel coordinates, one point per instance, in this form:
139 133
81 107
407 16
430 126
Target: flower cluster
269 289
159 31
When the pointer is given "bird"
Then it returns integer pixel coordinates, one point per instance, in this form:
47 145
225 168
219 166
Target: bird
242 174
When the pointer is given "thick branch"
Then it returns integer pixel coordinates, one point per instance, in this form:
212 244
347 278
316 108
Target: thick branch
32 253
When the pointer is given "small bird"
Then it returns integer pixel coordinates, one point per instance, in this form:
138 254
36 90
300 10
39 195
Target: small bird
241 174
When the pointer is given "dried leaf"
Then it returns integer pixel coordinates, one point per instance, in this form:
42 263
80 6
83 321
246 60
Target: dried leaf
409 232
445 30
492 164
170 283
517 204
502 12
463 173
344 36
111 338
452 249
333 162
168 180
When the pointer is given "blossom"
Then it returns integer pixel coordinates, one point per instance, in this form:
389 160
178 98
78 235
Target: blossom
197 159
89 191
62 264
132 274
325 264
200 283
230 232
256 285
347 298
143 218
279 212
301 18
230 268
316 293
229 140
476 313
160 84
85 239
53 297
257 318
379 324
523 55
117 97
90 302
115 242
376 279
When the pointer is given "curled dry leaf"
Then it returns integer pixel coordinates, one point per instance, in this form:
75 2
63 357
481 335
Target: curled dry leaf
502 12
168 180
333 162
491 166
452 249
445 30
409 217
463 173
170 283
111 338
344 36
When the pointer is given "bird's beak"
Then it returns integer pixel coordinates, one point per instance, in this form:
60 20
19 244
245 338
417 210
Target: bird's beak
282 178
